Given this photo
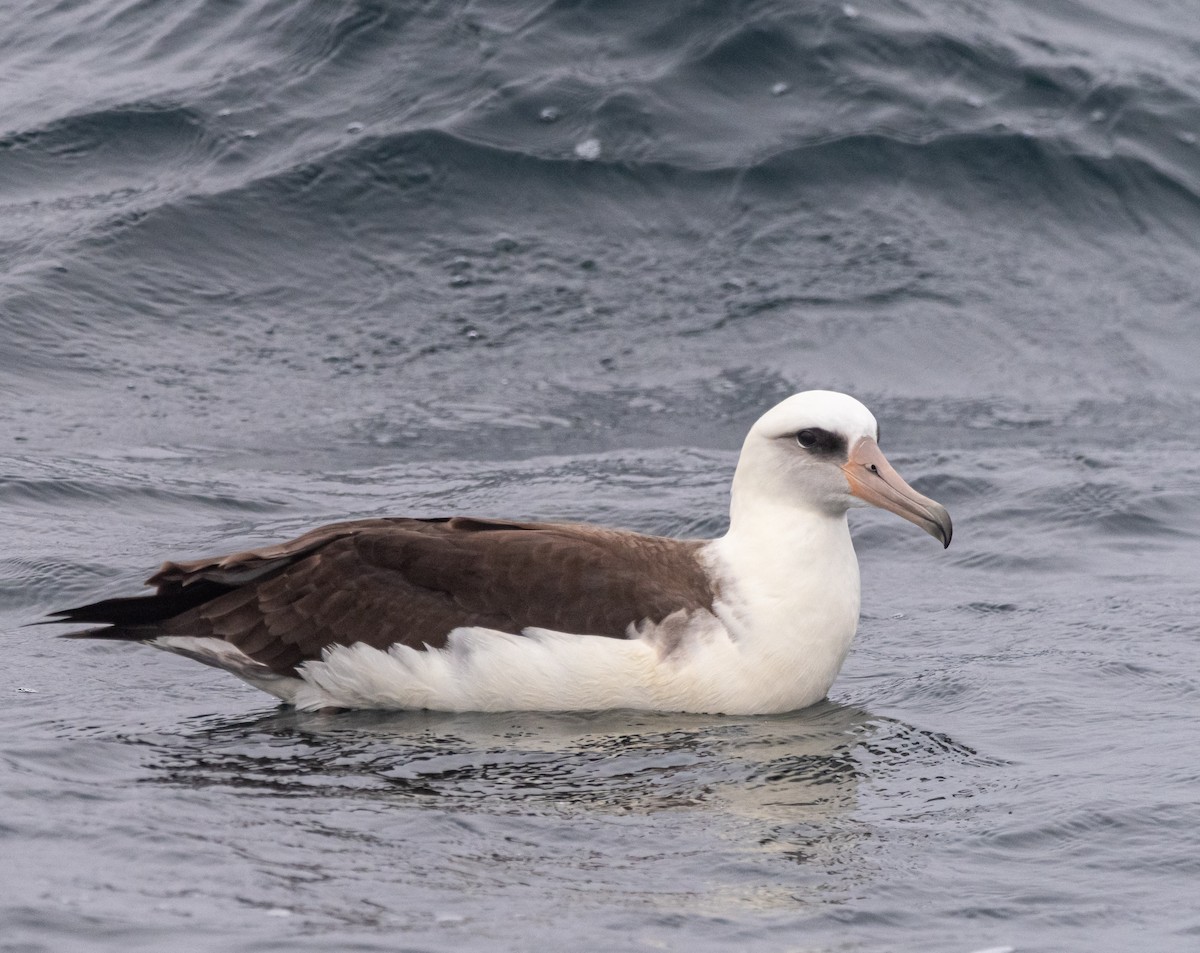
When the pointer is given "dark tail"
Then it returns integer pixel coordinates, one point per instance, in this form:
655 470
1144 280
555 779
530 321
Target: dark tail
136 617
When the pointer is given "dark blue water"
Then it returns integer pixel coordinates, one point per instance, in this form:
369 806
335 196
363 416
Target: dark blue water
270 264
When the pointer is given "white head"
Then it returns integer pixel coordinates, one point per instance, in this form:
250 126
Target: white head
819 451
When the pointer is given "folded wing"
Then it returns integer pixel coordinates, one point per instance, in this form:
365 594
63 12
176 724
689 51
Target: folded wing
383 582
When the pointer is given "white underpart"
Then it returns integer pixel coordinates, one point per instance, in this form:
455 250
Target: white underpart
774 643
775 640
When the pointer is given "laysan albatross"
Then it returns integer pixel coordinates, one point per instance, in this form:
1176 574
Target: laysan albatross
466 614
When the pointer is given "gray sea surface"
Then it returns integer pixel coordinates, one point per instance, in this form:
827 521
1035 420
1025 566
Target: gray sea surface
267 265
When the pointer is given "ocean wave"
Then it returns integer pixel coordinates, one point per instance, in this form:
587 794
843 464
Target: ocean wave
762 107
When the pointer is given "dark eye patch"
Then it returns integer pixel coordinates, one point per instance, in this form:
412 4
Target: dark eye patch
822 442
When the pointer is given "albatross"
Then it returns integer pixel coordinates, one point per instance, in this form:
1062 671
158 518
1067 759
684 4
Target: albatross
470 614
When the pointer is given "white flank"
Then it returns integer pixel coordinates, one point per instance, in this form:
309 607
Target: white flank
775 643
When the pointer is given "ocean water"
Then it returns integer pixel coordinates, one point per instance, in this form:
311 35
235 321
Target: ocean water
268 264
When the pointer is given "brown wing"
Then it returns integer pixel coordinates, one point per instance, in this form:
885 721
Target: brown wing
410 582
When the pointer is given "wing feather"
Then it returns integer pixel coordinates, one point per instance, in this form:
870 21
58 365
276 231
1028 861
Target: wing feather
412 582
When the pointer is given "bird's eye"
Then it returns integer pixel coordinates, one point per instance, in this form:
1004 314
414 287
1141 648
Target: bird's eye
807 439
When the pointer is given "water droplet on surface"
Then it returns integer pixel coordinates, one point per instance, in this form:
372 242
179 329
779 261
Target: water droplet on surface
588 149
